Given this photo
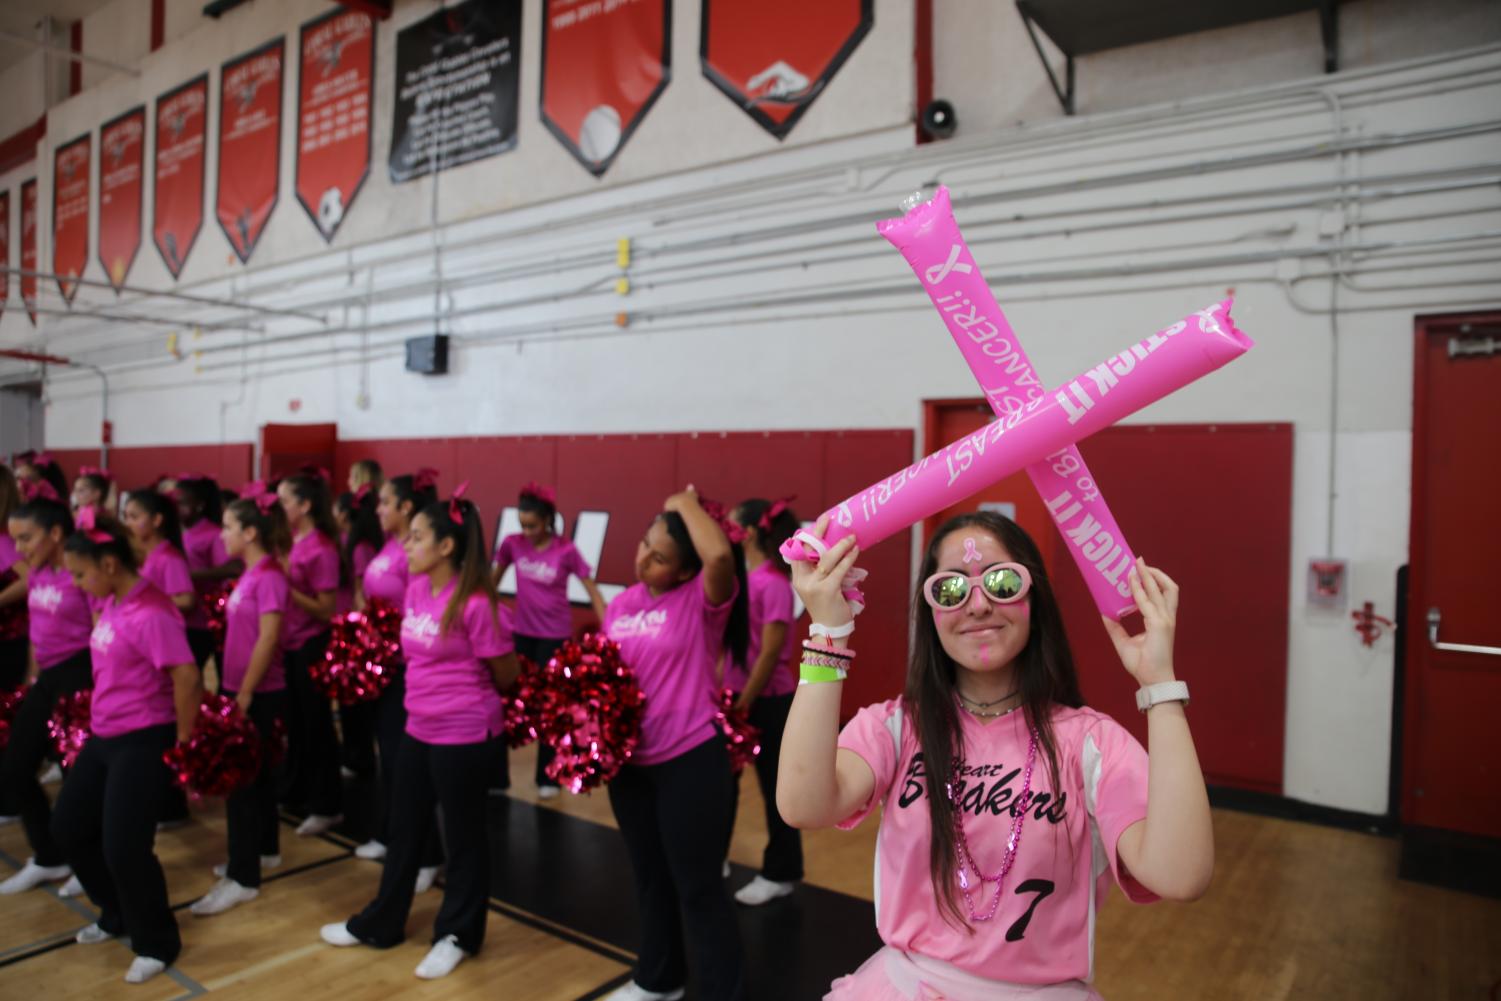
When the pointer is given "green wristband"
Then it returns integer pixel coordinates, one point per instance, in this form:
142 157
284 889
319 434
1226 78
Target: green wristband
813 674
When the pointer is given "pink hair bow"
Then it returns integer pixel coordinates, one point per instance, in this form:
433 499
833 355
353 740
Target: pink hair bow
538 492
455 503
43 459
319 471
363 492
264 502
774 511
103 474
425 478
87 522
254 488
38 490
714 509
186 477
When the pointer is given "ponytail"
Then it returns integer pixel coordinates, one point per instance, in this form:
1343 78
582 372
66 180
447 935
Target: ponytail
458 520
158 506
98 535
774 523
311 488
364 527
264 514
416 489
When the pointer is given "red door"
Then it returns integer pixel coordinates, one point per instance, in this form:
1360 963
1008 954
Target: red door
1451 774
286 448
1212 505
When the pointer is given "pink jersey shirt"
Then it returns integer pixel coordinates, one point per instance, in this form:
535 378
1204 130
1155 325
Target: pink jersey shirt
167 569
542 608
673 644
770 594
261 590
203 547
61 617
386 575
312 567
133 643
1044 930
451 696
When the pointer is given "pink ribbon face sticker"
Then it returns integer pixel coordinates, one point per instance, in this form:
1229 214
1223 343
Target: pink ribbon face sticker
971 554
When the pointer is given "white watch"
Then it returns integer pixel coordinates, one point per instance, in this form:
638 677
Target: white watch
1168 691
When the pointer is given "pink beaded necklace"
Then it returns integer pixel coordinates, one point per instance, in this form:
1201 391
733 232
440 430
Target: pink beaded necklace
961 850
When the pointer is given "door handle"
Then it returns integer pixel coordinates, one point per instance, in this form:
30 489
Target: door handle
1433 623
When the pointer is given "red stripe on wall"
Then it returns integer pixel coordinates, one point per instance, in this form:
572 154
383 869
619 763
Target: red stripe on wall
139 467
75 71
158 23
20 147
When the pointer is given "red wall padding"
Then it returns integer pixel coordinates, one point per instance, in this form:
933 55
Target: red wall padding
140 466
629 476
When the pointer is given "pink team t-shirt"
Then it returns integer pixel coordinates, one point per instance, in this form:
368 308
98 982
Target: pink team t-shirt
203 547
61 619
385 576
672 643
8 552
312 568
133 643
1044 930
451 696
167 569
261 590
542 608
770 594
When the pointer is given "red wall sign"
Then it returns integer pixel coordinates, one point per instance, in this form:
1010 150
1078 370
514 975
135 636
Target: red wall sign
336 91
70 212
774 57
249 145
177 180
28 247
122 146
4 249
602 68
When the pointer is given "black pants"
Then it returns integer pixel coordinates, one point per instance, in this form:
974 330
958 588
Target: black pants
254 827
450 776
29 747
674 816
357 736
312 781
106 822
203 645
13 663
782 861
539 650
390 727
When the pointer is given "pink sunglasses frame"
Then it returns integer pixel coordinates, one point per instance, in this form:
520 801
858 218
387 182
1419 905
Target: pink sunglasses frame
977 581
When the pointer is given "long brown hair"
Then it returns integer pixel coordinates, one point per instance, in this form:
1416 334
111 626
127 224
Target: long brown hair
468 557
1045 676
10 493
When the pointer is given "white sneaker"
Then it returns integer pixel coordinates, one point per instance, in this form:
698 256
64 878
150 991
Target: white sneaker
373 850
143 968
345 772
762 890
72 888
635 992
318 823
32 875
337 934
6 821
426 876
267 862
91 935
441 958
548 792
53 774
724 870
225 894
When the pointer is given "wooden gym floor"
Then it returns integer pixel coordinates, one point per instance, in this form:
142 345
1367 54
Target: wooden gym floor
1296 912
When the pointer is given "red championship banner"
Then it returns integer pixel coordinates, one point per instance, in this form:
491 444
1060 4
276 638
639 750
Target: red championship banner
122 148
774 57
28 247
336 91
4 249
177 178
70 213
603 65
249 145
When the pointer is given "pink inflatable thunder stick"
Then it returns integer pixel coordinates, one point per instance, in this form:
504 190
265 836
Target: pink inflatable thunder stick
929 239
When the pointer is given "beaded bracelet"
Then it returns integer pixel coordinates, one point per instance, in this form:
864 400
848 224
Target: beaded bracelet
832 651
812 674
821 660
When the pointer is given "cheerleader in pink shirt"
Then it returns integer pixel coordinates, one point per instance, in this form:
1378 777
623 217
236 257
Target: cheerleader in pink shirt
200 513
360 538
146 694
255 532
94 487
313 571
457 642
1007 805
152 520
59 621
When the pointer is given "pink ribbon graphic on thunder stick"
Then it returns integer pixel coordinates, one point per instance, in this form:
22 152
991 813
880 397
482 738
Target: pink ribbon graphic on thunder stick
929 239
1110 391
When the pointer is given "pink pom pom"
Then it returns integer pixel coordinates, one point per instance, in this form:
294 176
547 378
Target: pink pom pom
9 702
224 753
213 599
521 719
68 727
588 709
362 650
742 738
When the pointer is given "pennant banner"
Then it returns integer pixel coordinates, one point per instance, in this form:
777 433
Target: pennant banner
28 247
4 249
122 147
177 181
456 88
70 213
335 95
602 69
249 145
774 57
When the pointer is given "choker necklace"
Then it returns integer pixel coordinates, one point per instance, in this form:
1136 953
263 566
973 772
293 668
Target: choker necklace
967 702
